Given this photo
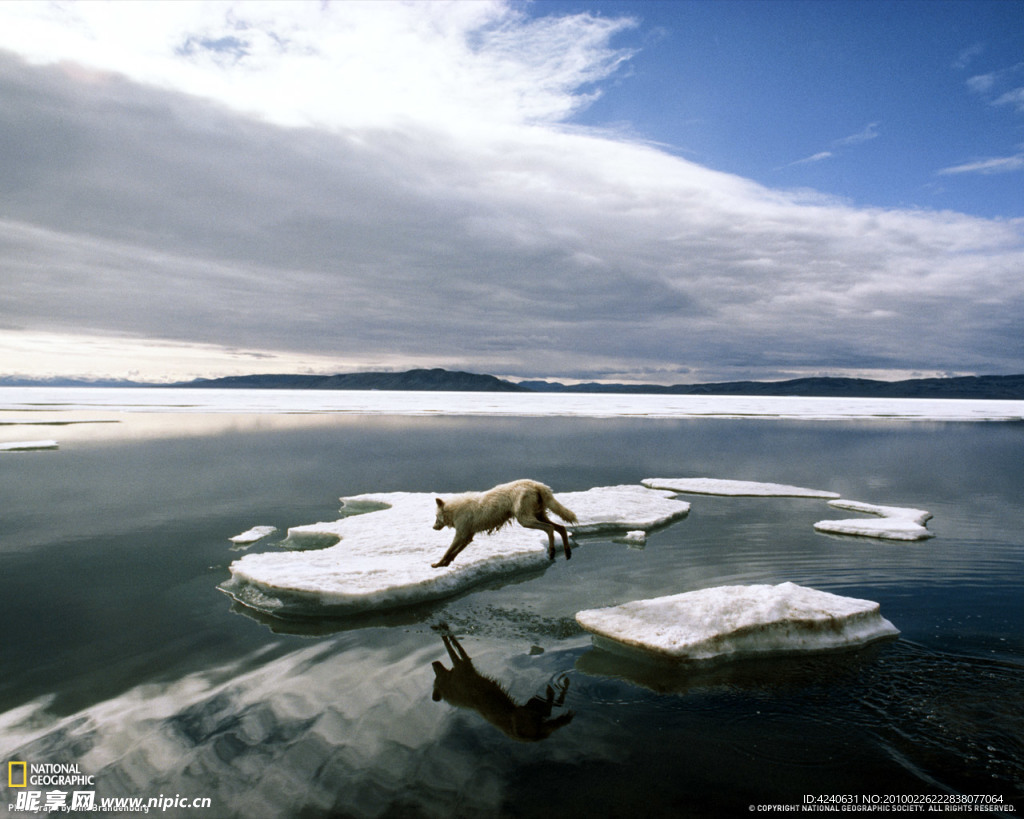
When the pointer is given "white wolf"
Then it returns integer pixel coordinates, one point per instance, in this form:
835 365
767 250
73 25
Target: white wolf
526 501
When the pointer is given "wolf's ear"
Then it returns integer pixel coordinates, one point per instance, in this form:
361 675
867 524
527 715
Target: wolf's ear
440 502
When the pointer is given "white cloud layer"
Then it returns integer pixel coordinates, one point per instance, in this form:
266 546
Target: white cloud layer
359 63
398 182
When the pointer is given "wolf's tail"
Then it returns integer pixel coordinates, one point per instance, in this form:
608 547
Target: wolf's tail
565 514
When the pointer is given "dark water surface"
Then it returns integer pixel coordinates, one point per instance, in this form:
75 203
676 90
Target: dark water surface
120 654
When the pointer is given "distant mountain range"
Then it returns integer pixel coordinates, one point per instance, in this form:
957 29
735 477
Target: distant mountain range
982 386
436 379
1009 387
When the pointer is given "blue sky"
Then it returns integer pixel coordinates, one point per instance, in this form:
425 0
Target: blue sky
669 192
869 100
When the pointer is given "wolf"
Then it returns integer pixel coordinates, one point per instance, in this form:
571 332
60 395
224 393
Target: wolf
465 687
526 501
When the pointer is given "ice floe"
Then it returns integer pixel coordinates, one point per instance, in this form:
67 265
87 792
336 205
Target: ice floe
253 535
737 621
27 446
890 522
381 558
715 486
637 538
622 508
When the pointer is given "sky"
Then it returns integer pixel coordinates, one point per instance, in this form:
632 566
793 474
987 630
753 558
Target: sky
675 191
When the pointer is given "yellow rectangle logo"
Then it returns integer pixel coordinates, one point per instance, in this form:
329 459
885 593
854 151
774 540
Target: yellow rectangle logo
13 780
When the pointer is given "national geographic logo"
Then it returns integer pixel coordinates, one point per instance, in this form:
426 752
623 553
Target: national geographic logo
17 774
48 775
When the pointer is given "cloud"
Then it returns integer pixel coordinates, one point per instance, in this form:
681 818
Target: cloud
331 224
1014 97
968 55
869 132
981 83
993 165
808 160
32 354
989 84
358 63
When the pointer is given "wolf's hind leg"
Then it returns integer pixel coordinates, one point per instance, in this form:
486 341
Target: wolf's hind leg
455 649
538 521
531 522
543 518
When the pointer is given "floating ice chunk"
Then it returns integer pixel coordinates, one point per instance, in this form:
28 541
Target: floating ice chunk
253 535
637 538
309 537
617 508
359 506
735 621
714 486
382 557
27 446
891 523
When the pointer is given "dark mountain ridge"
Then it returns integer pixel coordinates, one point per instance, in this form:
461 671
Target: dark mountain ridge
435 379
1008 387
978 386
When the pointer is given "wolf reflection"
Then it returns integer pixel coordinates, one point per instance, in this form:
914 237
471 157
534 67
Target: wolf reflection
465 687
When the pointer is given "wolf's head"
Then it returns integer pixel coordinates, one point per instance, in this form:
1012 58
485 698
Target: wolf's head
442 519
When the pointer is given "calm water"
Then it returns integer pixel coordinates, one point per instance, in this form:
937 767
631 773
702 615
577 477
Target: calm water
120 654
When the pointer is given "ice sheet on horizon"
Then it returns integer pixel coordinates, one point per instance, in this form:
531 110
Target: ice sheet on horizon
382 558
597 405
889 523
737 621
715 486
27 446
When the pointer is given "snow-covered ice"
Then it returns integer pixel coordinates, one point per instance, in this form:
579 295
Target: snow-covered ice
256 533
890 522
737 621
715 486
27 446
387 402
619 508
382 557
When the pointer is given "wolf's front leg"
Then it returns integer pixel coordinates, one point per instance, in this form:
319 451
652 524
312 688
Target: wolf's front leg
459 543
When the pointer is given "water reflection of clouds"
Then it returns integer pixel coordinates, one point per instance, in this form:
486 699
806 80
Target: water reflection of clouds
336 726
116 426
345 727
